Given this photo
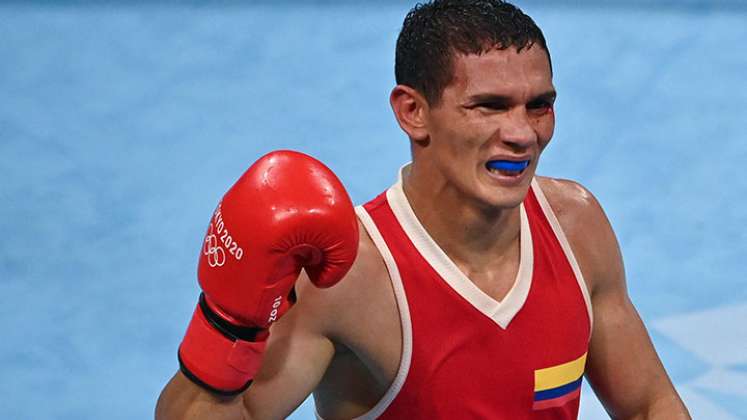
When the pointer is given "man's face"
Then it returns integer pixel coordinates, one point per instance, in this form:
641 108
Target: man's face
496 112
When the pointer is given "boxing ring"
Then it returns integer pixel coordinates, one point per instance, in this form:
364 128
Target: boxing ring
122 124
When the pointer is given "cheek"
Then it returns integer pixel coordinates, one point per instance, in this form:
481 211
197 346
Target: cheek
462 140
545 128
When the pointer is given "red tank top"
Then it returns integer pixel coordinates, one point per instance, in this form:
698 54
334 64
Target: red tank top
466 355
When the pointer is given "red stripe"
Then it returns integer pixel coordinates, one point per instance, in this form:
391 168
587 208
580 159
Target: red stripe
556 402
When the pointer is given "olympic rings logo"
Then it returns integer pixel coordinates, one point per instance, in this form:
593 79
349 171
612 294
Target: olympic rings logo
216 248
216 256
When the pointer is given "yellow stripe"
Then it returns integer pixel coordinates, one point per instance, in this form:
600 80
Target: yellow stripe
559 375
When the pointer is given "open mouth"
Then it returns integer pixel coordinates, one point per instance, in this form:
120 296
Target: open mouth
507 167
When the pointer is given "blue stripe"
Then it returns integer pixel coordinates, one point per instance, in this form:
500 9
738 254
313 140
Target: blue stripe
557 392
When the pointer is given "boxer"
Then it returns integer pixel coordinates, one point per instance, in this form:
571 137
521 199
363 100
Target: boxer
472 288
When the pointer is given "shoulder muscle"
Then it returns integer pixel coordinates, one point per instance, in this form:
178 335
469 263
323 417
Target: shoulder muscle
588 230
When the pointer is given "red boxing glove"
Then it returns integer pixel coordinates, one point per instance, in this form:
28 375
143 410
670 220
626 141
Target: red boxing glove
287 211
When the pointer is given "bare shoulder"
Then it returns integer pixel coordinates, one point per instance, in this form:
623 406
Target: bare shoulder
569 199
587 228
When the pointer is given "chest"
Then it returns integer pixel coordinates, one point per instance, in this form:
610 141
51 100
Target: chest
452 348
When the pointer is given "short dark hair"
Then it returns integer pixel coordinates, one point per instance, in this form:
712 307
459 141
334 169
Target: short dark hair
435 31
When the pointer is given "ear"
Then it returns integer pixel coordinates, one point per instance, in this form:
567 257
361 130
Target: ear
410 109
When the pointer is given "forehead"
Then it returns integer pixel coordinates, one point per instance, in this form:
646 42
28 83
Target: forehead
506 72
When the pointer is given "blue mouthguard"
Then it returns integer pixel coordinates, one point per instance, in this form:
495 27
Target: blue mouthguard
507 165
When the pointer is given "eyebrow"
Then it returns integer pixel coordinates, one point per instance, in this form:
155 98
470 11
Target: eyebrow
549 96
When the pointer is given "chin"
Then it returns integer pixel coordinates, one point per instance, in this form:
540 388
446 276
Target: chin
504 189
501 198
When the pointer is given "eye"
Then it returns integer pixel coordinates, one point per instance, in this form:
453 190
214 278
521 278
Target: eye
492 106
540 106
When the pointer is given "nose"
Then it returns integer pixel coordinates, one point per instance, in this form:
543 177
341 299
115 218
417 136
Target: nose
517 130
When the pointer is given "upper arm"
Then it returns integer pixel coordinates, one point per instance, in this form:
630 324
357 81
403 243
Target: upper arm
622 366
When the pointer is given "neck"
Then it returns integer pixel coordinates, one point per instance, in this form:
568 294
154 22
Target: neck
470 233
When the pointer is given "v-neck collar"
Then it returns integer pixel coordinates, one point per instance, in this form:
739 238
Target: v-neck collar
501 312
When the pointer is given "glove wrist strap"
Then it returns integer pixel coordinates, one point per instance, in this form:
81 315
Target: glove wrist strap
218 355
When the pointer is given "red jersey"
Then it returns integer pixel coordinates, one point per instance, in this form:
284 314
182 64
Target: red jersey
466 355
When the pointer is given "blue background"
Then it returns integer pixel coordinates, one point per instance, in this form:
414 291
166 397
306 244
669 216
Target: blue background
122 124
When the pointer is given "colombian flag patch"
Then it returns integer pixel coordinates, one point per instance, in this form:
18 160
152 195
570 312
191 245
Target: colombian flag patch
556 385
